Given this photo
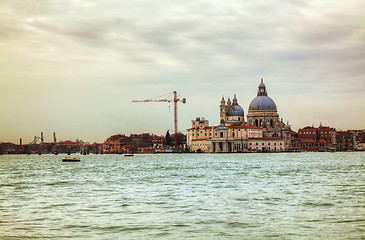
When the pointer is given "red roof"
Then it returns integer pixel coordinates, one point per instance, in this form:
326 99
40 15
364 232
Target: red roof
203 139
315 129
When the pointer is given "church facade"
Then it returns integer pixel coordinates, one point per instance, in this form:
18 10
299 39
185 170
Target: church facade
264 131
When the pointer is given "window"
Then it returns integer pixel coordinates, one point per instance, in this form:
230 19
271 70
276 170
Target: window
232 134
221 135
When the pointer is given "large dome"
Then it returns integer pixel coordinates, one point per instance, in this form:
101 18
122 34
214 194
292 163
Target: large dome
262 103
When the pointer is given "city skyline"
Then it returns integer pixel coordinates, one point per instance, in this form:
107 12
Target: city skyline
74 67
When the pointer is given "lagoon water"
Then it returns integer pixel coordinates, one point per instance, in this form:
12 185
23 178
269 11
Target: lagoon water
191 196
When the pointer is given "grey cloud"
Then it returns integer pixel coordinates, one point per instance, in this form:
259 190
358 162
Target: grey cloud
219 47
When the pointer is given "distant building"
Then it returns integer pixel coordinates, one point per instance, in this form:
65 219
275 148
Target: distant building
295 142
346 140
10 148
116 144
141 143
360 140
158 141
65 147
318 139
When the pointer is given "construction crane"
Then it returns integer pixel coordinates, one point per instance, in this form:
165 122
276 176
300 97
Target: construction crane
35 140
160 99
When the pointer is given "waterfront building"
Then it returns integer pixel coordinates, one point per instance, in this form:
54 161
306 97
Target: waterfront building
360 140
318 139
346 140
10 148
117 144
143 143
295 143
158 141
65 147
262 132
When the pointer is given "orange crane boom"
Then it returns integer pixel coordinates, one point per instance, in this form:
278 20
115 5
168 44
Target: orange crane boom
175 100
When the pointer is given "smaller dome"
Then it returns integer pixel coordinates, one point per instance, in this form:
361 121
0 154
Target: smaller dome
235 110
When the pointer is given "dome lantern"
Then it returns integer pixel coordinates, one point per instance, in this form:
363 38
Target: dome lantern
262 89
229 101
235 100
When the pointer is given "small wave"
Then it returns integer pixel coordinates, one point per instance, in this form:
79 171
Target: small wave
318 204
239 224
350 221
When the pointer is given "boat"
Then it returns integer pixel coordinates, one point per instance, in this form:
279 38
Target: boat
128 155
70 159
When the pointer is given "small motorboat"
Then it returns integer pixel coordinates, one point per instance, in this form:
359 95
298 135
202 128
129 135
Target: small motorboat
128 155
70 159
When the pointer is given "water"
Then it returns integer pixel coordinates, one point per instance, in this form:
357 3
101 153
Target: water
177 196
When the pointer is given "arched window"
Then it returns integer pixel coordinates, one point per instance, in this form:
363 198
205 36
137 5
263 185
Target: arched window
275 135
271 123
257 123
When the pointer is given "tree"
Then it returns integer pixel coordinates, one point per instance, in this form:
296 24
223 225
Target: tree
168 139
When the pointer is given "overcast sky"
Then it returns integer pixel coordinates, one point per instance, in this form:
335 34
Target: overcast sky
73 67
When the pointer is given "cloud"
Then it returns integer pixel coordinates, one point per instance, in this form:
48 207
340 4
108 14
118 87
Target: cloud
115 51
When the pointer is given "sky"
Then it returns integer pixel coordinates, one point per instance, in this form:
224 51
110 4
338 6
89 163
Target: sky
73 67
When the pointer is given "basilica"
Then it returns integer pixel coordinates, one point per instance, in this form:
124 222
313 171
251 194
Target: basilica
263 131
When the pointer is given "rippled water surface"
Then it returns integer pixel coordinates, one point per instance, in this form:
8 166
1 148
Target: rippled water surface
174 196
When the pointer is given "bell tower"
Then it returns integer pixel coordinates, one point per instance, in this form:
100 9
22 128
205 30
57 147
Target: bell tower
223 110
